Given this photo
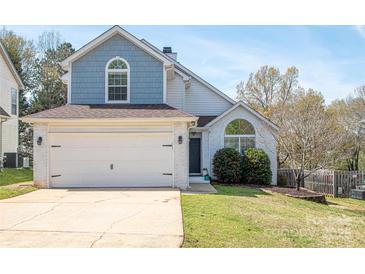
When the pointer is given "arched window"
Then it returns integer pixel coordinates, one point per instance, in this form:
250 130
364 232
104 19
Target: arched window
239 134
117 81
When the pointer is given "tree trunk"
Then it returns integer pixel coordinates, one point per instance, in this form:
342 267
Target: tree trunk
300 181
299 178
356 167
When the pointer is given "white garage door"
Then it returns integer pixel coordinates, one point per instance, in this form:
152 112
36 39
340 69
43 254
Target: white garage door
111 159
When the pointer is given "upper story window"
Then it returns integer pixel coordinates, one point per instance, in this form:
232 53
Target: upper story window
239 134
117 81
14 101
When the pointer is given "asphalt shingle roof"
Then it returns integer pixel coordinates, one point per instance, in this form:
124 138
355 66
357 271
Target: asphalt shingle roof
110 112
3 112
204 120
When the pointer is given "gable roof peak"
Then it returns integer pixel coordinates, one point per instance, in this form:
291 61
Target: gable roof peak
116 29
251 110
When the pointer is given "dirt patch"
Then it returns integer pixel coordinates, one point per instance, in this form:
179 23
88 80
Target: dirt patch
19 185
303 193
291 191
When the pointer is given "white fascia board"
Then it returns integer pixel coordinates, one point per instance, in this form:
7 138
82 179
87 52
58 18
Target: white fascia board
105 36
110 120
242 104
183 75
65 78
199 129
11 67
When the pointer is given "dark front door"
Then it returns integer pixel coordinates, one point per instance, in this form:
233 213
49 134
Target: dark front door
194 155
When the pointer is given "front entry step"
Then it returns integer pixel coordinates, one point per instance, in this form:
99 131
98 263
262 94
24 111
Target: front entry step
198 180
200 189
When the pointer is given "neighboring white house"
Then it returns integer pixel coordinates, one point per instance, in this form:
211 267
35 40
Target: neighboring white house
10 83
138 118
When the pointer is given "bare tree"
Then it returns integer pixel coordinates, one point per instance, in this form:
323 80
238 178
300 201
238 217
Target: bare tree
306 134
48 41
267 88
312 136
350 117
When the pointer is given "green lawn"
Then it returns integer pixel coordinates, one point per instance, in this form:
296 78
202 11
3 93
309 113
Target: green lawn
6 193
244 217
11 176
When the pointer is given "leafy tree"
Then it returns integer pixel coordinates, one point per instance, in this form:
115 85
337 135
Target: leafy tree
51 91
41 74
350 118
22 53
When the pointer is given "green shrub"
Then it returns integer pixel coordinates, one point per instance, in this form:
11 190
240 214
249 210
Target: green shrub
255 167
227 165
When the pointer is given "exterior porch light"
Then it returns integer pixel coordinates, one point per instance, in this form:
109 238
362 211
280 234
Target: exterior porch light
39 140
180 140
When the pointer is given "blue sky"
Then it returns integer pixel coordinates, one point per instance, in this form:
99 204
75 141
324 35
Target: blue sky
330 59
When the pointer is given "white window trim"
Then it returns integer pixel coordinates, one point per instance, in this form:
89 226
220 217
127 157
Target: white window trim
11 101
239 136
239 139
107 82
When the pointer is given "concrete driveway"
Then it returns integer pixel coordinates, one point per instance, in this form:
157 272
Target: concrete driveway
92 218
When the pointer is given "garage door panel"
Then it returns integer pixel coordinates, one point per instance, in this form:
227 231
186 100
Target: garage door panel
118 166
84 160
114 140
98 180
111 154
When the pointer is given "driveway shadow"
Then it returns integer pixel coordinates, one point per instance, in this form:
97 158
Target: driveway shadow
86 189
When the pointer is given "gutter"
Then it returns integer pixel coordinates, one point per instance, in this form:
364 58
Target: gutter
106 120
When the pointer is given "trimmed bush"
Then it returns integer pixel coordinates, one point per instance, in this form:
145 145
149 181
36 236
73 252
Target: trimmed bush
227 165
255 167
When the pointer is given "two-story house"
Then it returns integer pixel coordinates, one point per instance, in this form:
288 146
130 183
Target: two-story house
136 117
10 83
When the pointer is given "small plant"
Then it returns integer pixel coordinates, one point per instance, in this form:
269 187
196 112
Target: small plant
227 165
255 167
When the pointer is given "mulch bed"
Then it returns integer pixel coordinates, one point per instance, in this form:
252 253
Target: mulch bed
291 191
303 193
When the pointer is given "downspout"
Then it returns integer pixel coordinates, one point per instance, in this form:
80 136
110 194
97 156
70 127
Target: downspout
1 143
210 160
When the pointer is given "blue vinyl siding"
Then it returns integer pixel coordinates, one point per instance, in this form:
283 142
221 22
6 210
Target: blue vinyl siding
88 74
